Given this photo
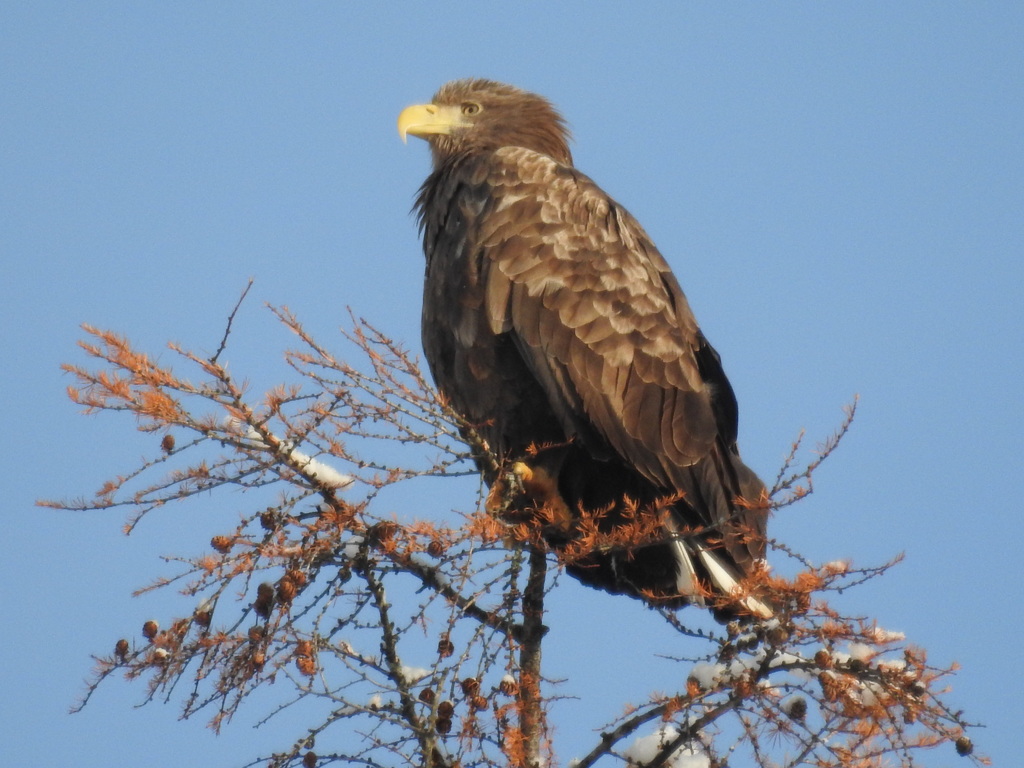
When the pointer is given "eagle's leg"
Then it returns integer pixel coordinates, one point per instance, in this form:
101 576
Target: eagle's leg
530 489
504 496
542 488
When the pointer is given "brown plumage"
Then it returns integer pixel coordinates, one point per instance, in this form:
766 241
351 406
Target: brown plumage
558 331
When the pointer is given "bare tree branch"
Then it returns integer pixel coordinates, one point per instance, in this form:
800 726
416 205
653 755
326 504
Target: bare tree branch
417 636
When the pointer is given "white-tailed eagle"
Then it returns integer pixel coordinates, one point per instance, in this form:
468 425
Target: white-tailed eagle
558 332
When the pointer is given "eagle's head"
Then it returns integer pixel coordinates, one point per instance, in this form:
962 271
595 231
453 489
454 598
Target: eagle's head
469 116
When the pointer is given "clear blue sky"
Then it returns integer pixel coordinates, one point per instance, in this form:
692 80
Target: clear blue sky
839 187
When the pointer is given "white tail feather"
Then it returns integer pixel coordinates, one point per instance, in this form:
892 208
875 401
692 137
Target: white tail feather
726 584
686 578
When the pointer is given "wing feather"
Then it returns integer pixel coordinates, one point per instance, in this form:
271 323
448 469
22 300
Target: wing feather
586 294
597 317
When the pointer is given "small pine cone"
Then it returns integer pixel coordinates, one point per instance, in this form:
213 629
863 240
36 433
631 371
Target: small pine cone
796 708
470 686
121 649
856 666
167 444
256 634
222 544
160 655
479 703
445 647
964 747
202 617
692 687
435 548
268 521
286 591
778 635
443 725
309 760
427 695
306 665
304 648
150 629
509 686
823 659
382 533
445 710
259 658
264 599
916 688
830 689
299 577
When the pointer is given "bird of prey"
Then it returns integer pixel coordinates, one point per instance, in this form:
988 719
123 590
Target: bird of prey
558 332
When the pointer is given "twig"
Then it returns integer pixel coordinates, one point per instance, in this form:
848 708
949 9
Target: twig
231 319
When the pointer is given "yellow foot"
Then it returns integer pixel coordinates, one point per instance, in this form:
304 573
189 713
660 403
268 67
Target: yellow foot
542 488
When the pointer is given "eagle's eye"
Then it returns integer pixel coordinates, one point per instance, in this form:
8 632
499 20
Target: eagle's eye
470 108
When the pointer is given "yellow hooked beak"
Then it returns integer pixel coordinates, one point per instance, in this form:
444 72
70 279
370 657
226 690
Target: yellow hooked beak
429 119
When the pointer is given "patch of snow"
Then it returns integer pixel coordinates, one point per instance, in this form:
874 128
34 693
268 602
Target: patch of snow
893 665
327 475
351 547
880 635
646 748
324 473
707 675
414 674
785 659
861 652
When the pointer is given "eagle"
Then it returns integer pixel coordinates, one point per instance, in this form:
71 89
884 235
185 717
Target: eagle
557 331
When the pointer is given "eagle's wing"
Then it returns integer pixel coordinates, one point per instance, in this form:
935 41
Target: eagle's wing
603 324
